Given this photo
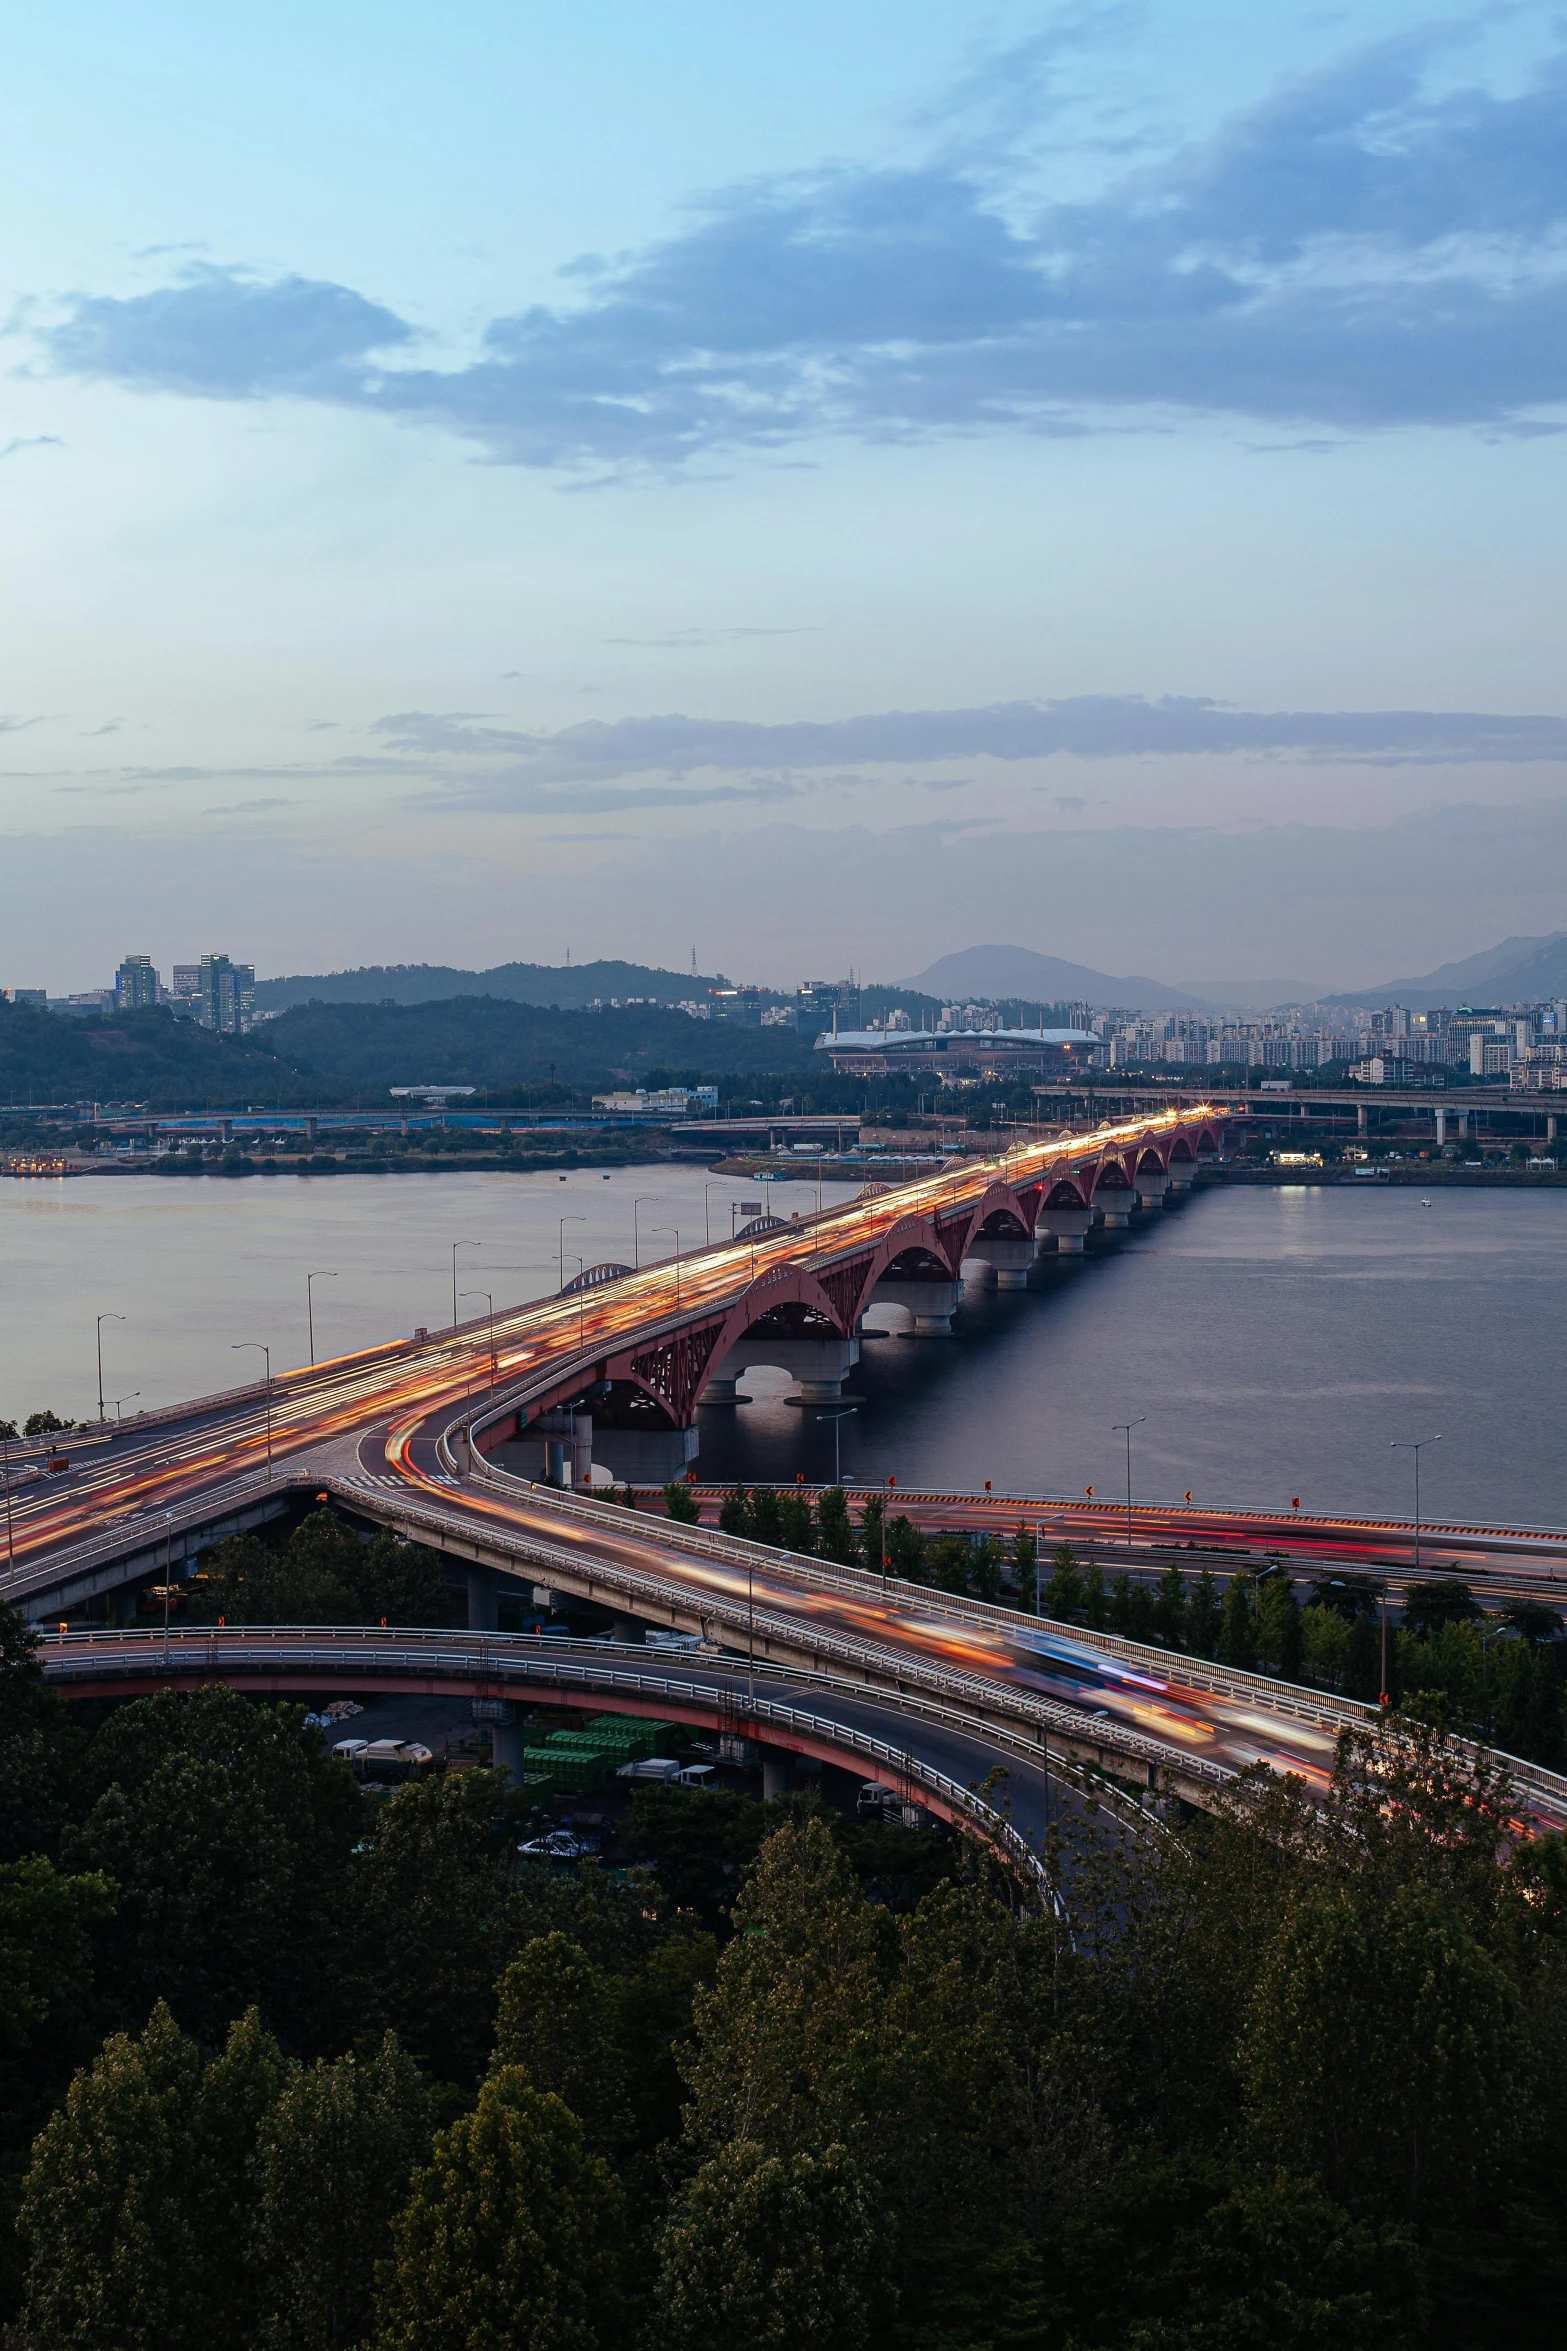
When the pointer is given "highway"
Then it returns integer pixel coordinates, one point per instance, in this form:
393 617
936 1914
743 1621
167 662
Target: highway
390 1430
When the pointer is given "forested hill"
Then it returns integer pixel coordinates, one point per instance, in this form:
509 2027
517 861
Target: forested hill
146 1057
482 1041
572 986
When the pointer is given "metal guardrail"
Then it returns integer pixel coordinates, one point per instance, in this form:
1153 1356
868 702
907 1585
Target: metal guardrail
415 1651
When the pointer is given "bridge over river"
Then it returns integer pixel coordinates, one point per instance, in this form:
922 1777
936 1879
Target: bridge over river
443 1439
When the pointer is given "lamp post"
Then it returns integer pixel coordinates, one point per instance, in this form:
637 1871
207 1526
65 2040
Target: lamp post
120 1401
456 1245
1415 1446
102 1319
238 1348
707 1211
837 1455
10 1531
642 1200
489 1298
675 1229
323 1275
1125 1428
582 1306
168 1574
560 1236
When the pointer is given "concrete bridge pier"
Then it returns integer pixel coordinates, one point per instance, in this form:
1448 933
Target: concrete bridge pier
510 1744
776 1765
1005 1260
1151 1187
645 1457
1441 1124
1068 1227
722 1391
931 1304
1114 1209
819 1367
481 1601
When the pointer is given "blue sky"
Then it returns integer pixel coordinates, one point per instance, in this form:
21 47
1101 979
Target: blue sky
822 487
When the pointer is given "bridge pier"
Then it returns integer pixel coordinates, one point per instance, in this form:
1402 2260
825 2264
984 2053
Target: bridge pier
481 1600
508 1748
819 1367
1006 1259
931 1304
1151 1188
1441 1124
1068 1228
1114 1209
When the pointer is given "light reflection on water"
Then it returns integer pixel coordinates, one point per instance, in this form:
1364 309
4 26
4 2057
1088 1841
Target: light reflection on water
1277 1341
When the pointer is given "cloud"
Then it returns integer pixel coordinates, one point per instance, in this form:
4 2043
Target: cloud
31 441
1353 252
230 336
1089 726
248 807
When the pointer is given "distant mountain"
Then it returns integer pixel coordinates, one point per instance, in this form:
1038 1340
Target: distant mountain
571 986
1519 971
1045 979
1252 995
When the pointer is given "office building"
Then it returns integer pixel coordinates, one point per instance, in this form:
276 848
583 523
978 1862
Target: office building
226 995
136 984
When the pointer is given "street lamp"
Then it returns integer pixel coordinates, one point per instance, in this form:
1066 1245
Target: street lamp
837 1456
456 1245
120 1401
489 1297
642 1200
10 1531
102 1319
239 1347
1120 1428
560 1236
582 1306
675 1229
168 1577
1414 1446
322 1275
707 1211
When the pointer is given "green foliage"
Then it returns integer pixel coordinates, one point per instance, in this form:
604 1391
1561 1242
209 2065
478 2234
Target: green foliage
796 1522
1064 1594
44 1424
905 1549
323 1575
1025 1570
1280 1640
734 1512
1203 1617
332 2162
985 1566
1171 1609
1096 1610
557 2019
696 1842
766 1519
946 1562
41 1749
680 1503
223 1824
513 2237
873 1534
834 1531
768 2251
1238 1625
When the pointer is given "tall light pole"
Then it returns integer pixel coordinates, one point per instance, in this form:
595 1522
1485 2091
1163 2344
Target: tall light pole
10 1531
1125 1428
561 1239
1415 1446
582 1306
102 1319
642 1200
323 1275
837 1455
168 1574
456 1245
119 1402
489 1298
675 1229
707 1211
239 1347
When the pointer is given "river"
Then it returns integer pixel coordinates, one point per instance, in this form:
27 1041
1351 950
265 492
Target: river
1268 1342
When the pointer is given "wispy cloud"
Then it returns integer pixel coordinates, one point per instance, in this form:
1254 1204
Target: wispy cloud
31 441
1360 250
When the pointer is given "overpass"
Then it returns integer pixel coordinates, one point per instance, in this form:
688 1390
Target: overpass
441 1438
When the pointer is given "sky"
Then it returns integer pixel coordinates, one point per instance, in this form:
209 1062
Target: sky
811 488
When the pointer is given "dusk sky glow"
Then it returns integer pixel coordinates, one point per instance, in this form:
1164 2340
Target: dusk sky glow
822 487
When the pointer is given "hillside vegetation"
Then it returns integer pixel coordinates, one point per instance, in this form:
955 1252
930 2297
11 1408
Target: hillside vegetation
146 1057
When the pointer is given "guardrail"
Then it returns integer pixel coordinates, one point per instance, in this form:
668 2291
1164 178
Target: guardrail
424 1652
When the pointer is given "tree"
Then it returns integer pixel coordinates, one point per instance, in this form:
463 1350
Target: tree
873 1534
227 1829
557 2018
130 2207
734 1512
1064 1594
1429 1608
1170 1608
1203 1617
796 1522
1095 1608
513 2236
696 1842
1238 1626
834 1532
430 1925
985 1569
1280 1641
332 2163
905 1549
948 1562
1025 1569
45 1424
774 2252
681 1503
766 1518
1386 2053
41 1748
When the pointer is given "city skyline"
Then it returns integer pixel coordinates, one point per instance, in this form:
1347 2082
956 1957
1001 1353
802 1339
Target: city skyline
1085 480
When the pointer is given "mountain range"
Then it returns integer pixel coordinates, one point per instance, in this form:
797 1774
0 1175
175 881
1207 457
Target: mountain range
568 986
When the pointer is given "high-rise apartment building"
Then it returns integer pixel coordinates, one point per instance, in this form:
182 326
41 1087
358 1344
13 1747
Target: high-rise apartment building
135 984
226 995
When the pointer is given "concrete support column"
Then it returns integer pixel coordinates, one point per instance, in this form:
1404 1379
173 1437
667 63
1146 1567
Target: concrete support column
721 1392
1361 1126
1067 1227
930 1303
775 1772
1463 1125
1151 1188
481 1600
1441 1125
1005 1259
1114 1209
1550 1127
511 1739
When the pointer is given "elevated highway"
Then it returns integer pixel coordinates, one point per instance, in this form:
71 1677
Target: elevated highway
438 1438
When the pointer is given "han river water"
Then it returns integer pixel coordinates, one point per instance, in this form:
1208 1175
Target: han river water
1276 1341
